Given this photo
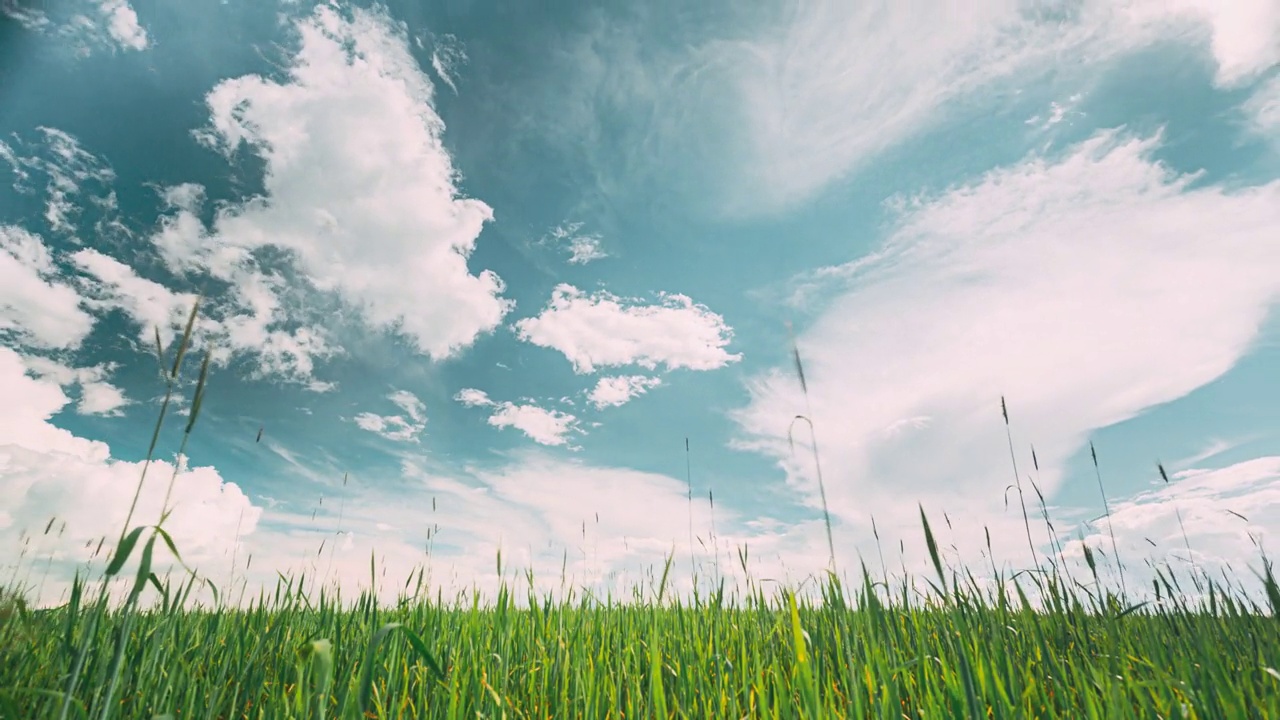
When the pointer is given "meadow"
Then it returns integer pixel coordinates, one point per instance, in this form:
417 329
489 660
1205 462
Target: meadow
1040 644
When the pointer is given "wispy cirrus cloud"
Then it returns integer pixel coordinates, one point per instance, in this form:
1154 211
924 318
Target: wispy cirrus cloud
760 111
1262 110
86 25
69 176
581 247
448 55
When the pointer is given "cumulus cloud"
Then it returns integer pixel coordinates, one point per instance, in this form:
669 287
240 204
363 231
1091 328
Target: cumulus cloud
360 190
403 428
97 395
248 322
122 24
35 306
603 330
1244 36
546 427
261 317
1080 287
472 397
49 473
118 287
620 389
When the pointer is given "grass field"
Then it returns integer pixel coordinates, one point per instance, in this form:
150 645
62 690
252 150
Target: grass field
1033 645
967 655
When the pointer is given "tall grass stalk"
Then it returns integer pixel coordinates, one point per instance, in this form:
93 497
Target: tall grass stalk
961 652
813 443
1111 530
128 538
1017 482
1191 558
688 479
958 652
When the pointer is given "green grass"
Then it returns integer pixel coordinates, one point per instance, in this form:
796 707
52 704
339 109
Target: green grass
970 655
1034 645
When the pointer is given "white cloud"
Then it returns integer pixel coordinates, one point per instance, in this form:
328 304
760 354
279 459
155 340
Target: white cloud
282 354
1079 288
770 111
403 428
359 187
472 397
152 306
603 526
547 427
34 307
1225 517
582 247
602 330
447 59
97 396
50 473
1058 112
69 171
251 320
100 398
410 403
115 26
122 24
585 249
1263 109
618 390
1244 34
26 17
391 427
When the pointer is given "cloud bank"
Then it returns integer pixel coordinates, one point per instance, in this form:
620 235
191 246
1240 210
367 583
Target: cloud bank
1080 287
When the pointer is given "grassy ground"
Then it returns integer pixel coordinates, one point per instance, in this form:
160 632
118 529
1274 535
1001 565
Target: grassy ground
968 655
960 651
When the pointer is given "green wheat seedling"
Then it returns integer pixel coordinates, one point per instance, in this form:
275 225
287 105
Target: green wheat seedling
960 652
1023 645
129 538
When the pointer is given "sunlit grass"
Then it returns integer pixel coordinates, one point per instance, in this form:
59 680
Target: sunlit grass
1037 644
972 654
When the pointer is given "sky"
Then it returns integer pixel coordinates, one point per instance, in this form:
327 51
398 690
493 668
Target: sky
488 288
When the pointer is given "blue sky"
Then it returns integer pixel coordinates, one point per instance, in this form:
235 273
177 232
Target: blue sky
478 270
